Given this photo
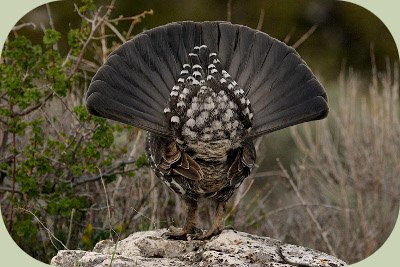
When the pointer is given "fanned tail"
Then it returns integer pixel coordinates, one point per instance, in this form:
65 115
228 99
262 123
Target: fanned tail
134 84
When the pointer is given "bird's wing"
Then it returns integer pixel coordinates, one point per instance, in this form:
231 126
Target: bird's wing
134 84
170 160
242 164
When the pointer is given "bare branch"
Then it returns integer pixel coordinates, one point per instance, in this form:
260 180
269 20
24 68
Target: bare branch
119 35
137 19
238 200
70 227
110 172
261 19
267 174
51 22
23 25
81 15
107 202
305 36
33 108
9 189
289 36
229 10
103 41
51 235
96 22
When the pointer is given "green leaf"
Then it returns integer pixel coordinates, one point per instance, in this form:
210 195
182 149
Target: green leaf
142 161
51 37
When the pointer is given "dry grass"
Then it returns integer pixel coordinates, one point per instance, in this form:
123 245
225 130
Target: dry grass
342 196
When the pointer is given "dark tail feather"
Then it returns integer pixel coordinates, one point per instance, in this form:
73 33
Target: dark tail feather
312 109
281 88
134 85
104 106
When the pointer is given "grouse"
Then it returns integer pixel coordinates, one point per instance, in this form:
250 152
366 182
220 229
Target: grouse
204 91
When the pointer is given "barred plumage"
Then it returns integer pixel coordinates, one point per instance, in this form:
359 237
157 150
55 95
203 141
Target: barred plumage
204 91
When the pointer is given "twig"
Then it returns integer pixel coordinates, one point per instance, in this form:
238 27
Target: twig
70 227
92 31
144 216
14 173
267 174
70 111
261 19
84 180
51 22
9 189
131 157
136 19
51 235
127 221
303 205
309 212
103 41
108 173
373 66
6 158
107 203
141 15
237 201
305 36
119 35
23 25
3 144
49 121
289 36
289 207
80 57
229 10
154 196
3 122
38 105
110 8
81 15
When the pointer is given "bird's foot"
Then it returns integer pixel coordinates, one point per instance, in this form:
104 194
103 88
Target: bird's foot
218 225
181 233
213 231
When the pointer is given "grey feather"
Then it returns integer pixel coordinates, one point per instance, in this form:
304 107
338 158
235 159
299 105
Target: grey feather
311 109
210 35
227 40
104 106
244 45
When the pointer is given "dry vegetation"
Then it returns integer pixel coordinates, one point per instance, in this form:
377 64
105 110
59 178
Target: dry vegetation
342 197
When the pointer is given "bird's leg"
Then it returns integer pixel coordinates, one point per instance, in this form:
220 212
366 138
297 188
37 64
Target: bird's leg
190 225
218 224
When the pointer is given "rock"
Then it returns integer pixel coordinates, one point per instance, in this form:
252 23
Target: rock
230 248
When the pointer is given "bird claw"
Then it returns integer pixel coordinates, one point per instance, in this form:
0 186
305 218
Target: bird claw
207 235
181 233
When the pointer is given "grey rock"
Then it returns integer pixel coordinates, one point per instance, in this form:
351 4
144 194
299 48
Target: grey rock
230 248
305 256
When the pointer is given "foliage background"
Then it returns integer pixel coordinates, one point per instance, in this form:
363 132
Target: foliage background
61 151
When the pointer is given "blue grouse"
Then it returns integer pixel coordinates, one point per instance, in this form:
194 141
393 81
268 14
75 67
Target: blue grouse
204 91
